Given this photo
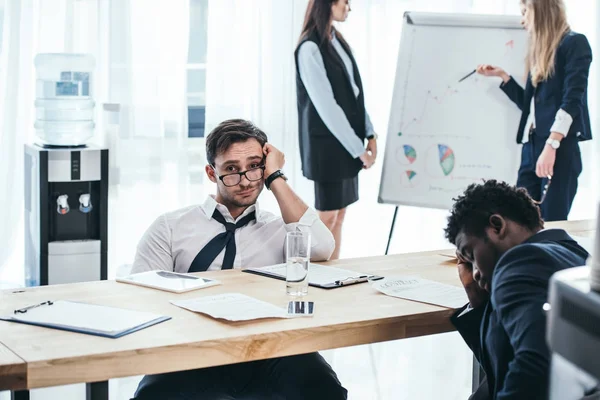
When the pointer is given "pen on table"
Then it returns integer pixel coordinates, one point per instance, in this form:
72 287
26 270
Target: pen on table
350 281
468 75
25 309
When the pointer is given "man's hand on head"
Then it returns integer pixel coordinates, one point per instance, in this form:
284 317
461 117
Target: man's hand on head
274 159
477 296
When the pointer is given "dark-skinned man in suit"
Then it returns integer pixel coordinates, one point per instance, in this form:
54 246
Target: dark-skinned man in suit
506 259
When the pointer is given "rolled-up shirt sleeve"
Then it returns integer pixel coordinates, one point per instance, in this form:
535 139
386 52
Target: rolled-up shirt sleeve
322 242
154 249
313 75
562 123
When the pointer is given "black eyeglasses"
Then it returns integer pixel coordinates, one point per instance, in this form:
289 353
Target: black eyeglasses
253 174
545 191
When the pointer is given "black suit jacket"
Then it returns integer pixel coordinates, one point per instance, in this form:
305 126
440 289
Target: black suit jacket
566 89
507 335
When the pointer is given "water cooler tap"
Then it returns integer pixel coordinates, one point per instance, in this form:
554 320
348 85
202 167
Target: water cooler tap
85 204
62 205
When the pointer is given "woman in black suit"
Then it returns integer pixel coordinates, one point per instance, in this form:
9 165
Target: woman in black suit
555 114
333 123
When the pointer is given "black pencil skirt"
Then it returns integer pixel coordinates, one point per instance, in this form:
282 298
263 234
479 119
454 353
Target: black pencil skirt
330 196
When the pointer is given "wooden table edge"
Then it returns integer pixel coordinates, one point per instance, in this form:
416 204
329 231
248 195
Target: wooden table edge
234 350
13 375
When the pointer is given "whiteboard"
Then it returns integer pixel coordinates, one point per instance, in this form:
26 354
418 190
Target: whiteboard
444 135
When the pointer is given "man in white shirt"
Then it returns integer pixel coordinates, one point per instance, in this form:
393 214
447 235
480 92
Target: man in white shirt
228 231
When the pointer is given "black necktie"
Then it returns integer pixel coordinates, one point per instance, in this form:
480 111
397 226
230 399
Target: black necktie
225 240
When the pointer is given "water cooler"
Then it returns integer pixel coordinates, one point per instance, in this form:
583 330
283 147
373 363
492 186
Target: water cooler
66 180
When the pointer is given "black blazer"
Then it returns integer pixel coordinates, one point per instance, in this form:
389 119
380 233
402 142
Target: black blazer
566 89
508 334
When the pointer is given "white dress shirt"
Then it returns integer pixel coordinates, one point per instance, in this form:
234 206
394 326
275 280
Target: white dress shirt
562 122
174 239
314 77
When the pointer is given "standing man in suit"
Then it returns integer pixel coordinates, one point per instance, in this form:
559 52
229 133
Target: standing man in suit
506 259
231 231
555 115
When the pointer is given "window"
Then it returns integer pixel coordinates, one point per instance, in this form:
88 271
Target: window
1 22
196 67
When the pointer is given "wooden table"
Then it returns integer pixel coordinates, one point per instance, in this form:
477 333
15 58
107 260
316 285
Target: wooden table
36 357
13 369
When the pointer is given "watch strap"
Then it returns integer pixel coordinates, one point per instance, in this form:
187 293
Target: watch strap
272 177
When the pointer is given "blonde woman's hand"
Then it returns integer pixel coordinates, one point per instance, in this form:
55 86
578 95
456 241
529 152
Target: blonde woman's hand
492 70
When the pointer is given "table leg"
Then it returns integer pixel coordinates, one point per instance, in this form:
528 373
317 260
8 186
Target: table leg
19 395
96 390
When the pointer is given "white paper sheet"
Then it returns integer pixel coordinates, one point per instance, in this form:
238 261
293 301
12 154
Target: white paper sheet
232 307
317 273
423 290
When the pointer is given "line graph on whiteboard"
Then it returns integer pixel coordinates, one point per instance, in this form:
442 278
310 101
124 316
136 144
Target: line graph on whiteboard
442 97
435 129
445 133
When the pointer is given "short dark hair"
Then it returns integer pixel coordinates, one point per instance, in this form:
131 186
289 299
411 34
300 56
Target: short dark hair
229 132
472 210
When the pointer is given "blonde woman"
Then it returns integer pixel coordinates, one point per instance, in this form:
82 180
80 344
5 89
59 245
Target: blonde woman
554 103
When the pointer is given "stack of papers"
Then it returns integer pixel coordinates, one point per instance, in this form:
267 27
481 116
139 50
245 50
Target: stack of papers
232 307
423 290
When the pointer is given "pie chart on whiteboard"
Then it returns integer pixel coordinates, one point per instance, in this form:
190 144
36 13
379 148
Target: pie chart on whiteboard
406 154
440 161
409 178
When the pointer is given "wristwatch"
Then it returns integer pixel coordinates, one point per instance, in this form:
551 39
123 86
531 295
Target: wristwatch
273 176
374 136
555 144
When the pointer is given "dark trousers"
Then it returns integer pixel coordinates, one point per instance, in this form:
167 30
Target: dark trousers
563 187
306 376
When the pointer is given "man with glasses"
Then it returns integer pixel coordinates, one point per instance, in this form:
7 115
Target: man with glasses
228 231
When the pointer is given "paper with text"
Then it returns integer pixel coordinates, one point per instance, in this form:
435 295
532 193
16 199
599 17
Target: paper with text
423 290
232 307
317 274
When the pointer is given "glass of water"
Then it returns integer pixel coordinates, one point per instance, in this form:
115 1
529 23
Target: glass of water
297 258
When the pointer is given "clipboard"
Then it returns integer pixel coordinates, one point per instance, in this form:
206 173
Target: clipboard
91 319
324 277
